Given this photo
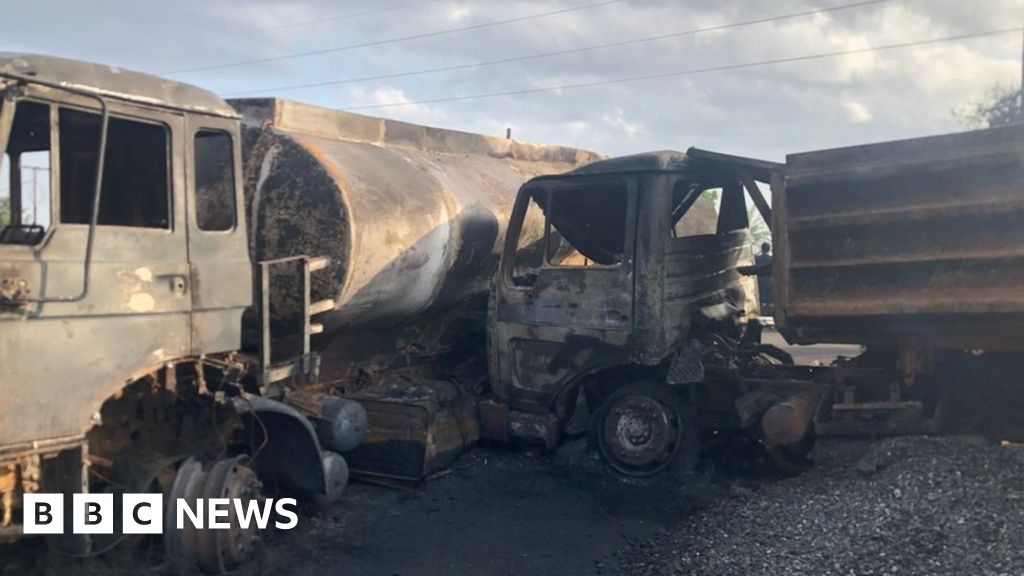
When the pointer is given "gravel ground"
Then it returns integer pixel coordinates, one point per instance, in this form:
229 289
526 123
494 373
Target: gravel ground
897 506
906 506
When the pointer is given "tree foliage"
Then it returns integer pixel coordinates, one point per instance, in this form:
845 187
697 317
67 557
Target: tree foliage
1002 106
759 230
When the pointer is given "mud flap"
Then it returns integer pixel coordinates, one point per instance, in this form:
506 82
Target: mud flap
287 449
416 427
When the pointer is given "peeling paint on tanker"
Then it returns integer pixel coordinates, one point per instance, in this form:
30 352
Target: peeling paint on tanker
266 165
409 228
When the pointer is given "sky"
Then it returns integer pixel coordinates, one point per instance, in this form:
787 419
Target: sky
764 111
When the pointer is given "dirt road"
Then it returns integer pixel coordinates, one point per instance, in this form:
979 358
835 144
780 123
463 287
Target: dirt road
494 512
893 506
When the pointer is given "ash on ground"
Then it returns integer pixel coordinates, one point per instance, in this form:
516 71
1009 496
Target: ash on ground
898 506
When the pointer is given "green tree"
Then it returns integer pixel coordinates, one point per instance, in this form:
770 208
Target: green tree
5 211
1001 106
759 230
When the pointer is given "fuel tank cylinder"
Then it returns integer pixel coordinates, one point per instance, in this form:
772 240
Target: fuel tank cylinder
340 424
412 217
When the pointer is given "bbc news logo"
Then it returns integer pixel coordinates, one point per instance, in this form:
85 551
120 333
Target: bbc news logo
144 513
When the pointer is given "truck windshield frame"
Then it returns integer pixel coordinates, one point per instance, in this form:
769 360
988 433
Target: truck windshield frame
573 204
541 195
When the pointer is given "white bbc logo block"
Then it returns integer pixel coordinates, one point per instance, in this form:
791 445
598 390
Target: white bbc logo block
92 514
142 513
44 513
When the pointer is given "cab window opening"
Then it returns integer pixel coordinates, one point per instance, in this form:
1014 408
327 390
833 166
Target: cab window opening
694 209
136 175
586 225
214 181
25 177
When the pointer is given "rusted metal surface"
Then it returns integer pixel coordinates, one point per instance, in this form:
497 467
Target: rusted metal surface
412 217
110 388
340 424
146 307
916 241
215 550
790 421
114 82
644 276
417 426
574 321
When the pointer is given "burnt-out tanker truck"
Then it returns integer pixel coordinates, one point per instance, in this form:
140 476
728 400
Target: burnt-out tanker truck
412 219
170 263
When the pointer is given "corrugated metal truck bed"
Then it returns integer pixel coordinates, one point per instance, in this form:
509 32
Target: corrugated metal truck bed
917 239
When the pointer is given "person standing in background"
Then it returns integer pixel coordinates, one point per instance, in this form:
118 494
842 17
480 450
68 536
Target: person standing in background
764 279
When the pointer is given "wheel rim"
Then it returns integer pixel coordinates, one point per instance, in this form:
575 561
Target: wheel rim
213 551
639 435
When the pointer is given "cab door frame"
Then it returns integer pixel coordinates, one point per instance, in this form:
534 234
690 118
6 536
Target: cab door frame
570 320
135 316
220 268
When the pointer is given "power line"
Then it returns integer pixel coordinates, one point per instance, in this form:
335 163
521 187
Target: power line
563 52
390 40
349 16
693 70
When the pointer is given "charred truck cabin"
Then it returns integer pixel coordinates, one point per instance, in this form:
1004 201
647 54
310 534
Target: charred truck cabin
621 306
124 277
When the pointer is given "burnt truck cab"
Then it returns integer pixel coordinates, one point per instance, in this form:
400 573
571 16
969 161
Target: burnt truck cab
124 277
619 289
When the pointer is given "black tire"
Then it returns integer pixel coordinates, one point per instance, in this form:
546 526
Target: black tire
645 428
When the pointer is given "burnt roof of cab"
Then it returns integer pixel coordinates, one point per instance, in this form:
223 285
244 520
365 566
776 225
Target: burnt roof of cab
675 161
113 82
660 161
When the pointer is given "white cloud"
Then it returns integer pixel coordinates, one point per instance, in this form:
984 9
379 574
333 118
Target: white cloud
617 120
857 112
762 111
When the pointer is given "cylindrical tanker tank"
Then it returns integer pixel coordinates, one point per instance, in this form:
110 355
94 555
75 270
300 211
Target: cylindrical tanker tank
411 217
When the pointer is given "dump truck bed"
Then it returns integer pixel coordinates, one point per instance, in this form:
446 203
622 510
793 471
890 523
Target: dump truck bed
919 240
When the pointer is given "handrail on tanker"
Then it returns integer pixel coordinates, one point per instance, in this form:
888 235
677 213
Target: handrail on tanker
305 362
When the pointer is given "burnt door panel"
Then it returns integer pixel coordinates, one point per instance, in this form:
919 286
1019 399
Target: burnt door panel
60 360
565 306
218 254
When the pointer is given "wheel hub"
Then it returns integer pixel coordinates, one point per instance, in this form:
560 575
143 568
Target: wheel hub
214 551
639 434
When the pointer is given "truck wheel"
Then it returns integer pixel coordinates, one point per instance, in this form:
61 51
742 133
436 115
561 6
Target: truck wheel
645 428
213 551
